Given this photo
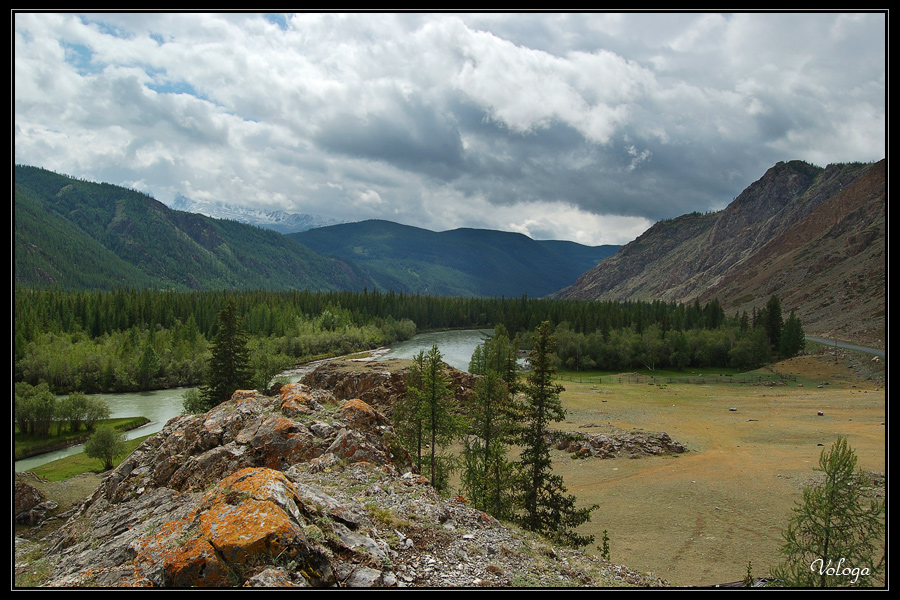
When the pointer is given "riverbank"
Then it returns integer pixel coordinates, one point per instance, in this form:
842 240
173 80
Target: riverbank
26 447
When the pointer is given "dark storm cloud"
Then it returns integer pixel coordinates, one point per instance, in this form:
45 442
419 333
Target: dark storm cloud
412 137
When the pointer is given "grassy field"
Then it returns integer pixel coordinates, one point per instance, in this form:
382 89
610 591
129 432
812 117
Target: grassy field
699 518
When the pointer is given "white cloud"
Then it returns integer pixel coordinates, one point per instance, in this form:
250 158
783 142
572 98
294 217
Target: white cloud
584 127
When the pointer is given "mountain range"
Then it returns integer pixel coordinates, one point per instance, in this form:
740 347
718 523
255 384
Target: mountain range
276 220
76 234
814 236
461 262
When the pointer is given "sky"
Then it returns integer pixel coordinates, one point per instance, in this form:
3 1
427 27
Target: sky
583 127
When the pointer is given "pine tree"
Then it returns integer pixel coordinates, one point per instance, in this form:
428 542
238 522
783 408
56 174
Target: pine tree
487 472
835 537
408 417
229 367
546 508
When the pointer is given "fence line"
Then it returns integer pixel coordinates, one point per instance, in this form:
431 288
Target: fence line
696 379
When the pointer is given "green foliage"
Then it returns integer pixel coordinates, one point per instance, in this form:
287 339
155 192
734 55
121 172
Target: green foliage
604 548
229 367
78 409
123 340
106 444
192 402
835 537
487 477
487 472
35 408
427 411
267 361
773 323
793 339
408 412
546 508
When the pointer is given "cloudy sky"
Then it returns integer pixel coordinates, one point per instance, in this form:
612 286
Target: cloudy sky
587 127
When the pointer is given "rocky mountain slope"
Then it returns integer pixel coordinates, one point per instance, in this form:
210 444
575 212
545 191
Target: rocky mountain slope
816 237
300 489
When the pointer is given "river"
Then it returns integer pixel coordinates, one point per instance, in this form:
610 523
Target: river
161 405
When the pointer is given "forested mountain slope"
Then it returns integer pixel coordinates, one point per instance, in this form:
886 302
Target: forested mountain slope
461 262
76 234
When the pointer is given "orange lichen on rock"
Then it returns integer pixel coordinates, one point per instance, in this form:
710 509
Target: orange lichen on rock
249 518
358 414
294 400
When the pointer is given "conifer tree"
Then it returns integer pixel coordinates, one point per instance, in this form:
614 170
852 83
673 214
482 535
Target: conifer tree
427 409
793 339
229 368
836 535
773 322
546 508
408 416
487 472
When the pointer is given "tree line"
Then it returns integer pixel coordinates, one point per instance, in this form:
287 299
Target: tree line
141 339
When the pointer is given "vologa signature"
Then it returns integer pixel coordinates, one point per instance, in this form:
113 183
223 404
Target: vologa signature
819 566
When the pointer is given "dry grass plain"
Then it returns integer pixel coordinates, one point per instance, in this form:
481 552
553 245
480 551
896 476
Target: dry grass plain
700 517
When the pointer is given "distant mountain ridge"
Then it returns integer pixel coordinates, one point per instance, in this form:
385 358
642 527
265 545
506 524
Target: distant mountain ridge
816 237
75 234
460 262
276 220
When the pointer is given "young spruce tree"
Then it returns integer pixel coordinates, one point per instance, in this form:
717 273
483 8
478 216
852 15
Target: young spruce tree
836 536
487 472
546 508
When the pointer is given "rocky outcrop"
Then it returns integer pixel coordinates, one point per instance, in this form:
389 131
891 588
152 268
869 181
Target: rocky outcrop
381 383
633 444
298 490
30 506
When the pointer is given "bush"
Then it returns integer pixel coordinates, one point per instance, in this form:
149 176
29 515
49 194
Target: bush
106 444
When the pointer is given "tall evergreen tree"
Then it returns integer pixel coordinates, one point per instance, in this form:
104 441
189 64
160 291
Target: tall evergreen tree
408 417
229 368
428 410
793 339
546 508
774 323
487 472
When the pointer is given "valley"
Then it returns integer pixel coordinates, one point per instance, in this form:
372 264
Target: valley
815 237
